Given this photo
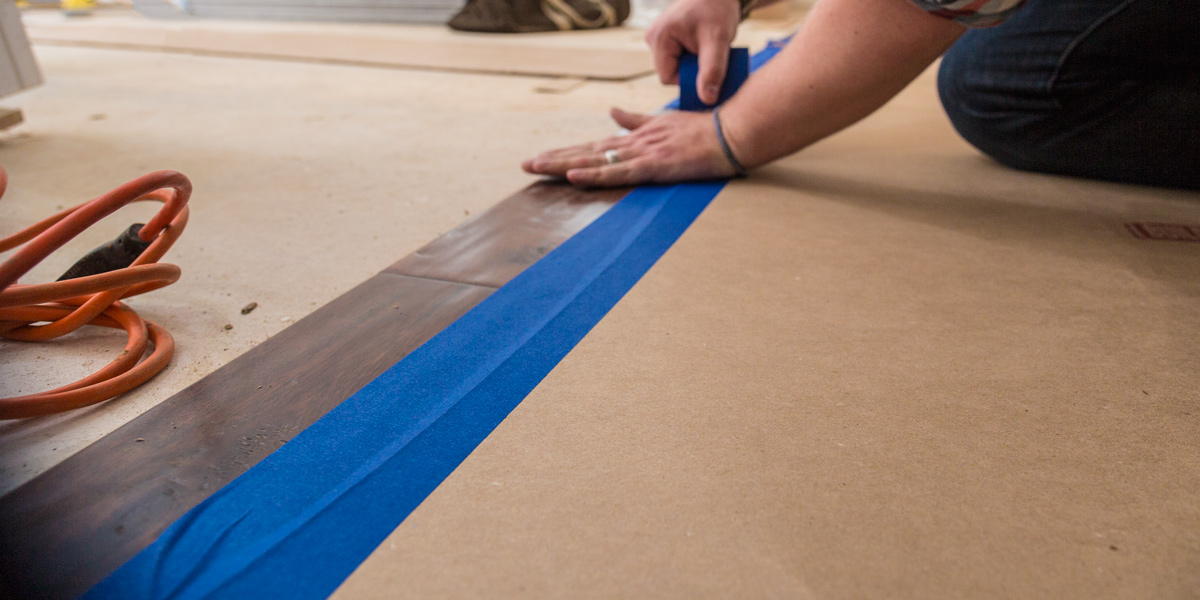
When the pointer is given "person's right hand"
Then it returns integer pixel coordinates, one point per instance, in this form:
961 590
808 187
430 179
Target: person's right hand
704 28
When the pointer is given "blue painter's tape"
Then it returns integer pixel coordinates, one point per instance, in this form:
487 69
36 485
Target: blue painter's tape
299 522
736 72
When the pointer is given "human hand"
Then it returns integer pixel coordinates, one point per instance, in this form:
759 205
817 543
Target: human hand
702 27
677 146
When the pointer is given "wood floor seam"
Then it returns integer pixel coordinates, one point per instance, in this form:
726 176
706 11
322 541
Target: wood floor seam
441 279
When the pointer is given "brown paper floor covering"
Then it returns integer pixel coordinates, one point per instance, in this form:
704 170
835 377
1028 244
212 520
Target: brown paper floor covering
884 368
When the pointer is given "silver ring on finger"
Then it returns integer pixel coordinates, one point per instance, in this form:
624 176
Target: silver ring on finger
611 157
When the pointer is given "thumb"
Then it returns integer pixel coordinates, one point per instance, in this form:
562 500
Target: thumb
714 58
629 120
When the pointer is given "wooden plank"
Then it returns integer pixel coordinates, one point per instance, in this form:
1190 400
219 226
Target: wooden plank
499 244
67 529
10 117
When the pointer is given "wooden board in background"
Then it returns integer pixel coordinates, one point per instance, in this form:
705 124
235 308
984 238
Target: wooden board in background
10 117
607 55
433 12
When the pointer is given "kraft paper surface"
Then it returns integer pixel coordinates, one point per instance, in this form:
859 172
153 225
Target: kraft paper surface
883 368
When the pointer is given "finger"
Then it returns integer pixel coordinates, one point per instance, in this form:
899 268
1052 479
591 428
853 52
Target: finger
562 165
666 58
548 164
628 120
624 173
714 59
587 148
592 149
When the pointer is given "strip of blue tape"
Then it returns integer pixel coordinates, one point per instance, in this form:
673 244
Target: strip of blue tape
299 522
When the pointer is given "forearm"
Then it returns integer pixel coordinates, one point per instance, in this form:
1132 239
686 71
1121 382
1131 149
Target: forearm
850 58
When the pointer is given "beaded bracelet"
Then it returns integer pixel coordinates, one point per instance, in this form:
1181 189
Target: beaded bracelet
737 166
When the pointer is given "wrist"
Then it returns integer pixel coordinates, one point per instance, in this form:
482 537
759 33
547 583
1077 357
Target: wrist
730 156
739 128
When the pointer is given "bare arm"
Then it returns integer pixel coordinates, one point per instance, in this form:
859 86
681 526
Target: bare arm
849 59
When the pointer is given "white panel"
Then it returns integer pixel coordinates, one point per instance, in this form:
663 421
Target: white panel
20 70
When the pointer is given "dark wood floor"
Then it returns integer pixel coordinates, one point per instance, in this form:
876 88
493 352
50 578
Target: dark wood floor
66 529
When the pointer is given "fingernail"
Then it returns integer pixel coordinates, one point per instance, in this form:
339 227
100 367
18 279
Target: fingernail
712 91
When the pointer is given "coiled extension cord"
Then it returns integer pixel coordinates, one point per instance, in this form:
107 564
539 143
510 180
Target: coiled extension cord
91 292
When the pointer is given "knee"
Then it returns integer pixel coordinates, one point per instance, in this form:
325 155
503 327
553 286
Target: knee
954 97
966 103
981 104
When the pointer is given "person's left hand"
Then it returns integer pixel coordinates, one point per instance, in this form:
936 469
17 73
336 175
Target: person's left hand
677 146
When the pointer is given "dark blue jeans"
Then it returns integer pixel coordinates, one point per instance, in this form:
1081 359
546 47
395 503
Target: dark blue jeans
1104 89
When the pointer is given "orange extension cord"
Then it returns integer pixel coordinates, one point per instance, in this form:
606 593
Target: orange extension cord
65 306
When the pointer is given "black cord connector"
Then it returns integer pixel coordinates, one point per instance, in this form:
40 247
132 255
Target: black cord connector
117 254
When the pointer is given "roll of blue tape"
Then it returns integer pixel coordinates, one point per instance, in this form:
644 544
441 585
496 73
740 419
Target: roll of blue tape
689 69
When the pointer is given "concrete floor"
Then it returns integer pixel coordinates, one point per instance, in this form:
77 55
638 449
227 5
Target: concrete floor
308 178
